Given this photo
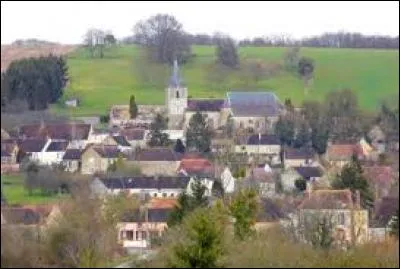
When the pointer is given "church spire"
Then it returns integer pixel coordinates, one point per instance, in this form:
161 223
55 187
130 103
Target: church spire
175 80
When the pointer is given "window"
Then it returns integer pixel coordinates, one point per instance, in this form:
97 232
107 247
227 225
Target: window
341 218
172 195
164 195
129 235
250 121
177 94
155 195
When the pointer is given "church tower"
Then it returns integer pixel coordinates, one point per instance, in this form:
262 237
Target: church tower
176 94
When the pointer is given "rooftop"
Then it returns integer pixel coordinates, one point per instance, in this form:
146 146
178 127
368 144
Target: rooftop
328 199
146 182
259 103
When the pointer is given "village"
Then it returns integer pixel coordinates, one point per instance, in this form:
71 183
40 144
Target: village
245 152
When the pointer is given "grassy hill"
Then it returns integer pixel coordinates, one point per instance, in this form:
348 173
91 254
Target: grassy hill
99 83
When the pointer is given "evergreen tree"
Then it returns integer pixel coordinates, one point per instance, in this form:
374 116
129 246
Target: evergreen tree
179 147
301 184
284 129
133 109
351 177
157 137
198 135
303 136
227 52
319 139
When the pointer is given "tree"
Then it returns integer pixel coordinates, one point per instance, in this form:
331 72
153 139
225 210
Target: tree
301 184
198 134
227 52
198 194
319 139
157 137
303 136
352 177
202 246
163 35
133 109
179 147
94 40
305 68
243 209
284 129
291 59
109 39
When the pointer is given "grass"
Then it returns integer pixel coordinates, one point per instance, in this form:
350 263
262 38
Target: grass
14 192
100 83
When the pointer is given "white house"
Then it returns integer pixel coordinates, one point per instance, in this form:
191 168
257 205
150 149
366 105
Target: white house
228 181
52 152
208 183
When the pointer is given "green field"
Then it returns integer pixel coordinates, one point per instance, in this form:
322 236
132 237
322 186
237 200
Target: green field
99 83
14 192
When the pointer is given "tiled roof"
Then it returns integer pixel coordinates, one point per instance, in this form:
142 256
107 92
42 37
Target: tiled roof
154 215
298 153
57 146
107 151
205 104
247 104
265 140
328 199
196 166
385 209
157 154
133 134
162 203
19 215
378 174
31 145
121 140
65 131
72 154
342 151
145 182
308 171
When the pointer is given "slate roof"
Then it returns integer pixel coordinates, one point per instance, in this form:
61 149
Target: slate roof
107 151
120 139
72 154
266 139
154 215
385 209
133 134
146 182
19 215
270 211
253 104
328 199
205 104
298 153
157 154
308 171
32 145
66 131
57 146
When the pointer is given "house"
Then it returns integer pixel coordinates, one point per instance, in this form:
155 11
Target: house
228 181
340 154
174 135
156 161
4 134
97 158
97 136
269 215
299 157
119 141
265 144
72 160
380 179
162 203
136 137
350 221
258 111
206 182
200 167
137 229
120 116
209 107
377 138
264 178
32 148
162 187
308 173
53 152
76 133
9 156
385 209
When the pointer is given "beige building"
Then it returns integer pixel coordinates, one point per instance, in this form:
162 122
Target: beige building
260 144
97 158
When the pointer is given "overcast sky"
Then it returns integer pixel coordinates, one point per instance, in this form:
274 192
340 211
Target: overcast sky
66 22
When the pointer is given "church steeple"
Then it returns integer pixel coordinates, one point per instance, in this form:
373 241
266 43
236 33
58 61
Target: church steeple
175 81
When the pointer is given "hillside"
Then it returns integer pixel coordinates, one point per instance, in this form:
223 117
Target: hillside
100 83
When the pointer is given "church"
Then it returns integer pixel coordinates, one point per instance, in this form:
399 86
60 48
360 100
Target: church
257 110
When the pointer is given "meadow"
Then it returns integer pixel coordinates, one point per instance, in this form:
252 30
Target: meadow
100 83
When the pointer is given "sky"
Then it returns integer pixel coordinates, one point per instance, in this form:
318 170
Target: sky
67 22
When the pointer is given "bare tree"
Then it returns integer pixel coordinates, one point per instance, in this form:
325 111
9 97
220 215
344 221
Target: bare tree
94 40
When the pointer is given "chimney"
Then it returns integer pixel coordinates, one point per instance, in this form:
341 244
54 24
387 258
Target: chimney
358 200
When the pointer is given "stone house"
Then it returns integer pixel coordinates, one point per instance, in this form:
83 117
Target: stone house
339 155
156 161
72 160
119 141
308 173
299 157
380 178
209 107
97 158
265 180
350 221
135 136
265 144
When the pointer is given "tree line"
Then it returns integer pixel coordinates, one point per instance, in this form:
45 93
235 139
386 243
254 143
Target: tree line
36 81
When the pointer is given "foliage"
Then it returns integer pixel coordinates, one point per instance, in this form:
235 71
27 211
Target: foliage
104 118
49 181
38 81
179 147
202 246
301 184
95 41
157 137
306 67
198 134
115 206
227 52
133 109
352 177
291 59
165 38
243 209
319 139
303 136
285 130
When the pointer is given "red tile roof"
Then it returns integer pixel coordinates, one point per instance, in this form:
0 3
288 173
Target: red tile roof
195 165
327 199
162 203
343 151
378 174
